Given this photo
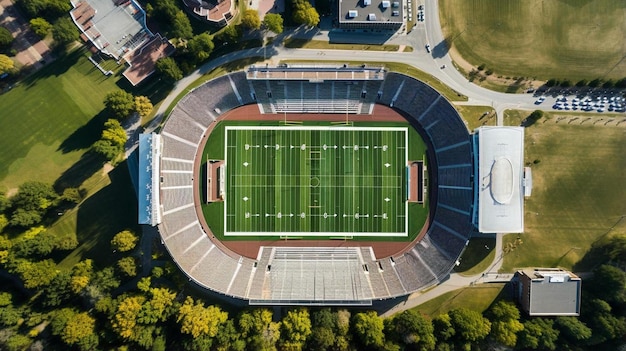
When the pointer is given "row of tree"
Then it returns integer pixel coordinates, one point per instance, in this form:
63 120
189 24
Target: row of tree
84 308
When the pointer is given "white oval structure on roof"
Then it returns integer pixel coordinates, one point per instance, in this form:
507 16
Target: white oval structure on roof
502 180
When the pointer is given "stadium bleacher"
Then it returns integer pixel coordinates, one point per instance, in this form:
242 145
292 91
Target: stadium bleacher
283 274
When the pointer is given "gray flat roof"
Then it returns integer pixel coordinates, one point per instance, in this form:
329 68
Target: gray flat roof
500 179
375 7
117 29
554 293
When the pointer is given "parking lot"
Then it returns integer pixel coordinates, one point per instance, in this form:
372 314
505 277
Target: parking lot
591 101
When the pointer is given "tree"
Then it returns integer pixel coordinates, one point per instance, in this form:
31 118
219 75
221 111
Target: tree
258 330
64 31
296 328
250 19
197 320
6 64
40 26
112 140
538 333
81 275
128 266
609 284
273 22
304 13
572 329
58 292
36 274
470 326
125 319
6 39
120 103
17 342
40 245
80 326
143 106
230 34
72 195
505 324
181 27
411 328
603 323
34 195
168 69
368 329
200 47
124 241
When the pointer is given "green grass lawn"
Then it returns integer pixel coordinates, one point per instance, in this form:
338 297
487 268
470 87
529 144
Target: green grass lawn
575 39
50 118
477 298
319 44
477 116
578 191
477 257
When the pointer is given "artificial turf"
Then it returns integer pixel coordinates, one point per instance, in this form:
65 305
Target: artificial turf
316 180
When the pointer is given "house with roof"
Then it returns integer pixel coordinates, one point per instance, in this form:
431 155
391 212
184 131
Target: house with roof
548 292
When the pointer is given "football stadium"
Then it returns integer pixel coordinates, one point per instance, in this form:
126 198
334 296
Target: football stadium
325 185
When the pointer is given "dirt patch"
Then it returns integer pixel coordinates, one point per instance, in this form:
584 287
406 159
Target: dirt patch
251 248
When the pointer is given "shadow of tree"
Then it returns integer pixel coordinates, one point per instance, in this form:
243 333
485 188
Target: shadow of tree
83 169
86 135
104 214
62 64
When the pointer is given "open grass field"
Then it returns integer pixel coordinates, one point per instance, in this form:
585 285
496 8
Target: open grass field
297 169
578 192
477 298
50 119
575 39
304 180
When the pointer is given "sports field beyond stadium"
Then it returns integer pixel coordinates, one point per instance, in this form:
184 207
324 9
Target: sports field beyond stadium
332 181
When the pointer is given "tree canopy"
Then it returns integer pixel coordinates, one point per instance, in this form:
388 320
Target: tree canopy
168 69
124 241
197 320
250 19
6 39
470 326
40 26
143 106
112 140
273 22
64 31
538 333
304 13
120 103
200 47
505 324
368 329
411 328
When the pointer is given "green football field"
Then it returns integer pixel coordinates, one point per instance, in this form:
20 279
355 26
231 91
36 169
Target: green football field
316 181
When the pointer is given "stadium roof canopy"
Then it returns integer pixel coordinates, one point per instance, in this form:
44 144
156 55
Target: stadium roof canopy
148 194
500 181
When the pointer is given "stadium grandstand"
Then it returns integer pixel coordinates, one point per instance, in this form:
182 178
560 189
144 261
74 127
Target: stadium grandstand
311 274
